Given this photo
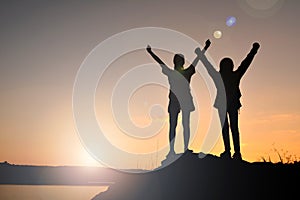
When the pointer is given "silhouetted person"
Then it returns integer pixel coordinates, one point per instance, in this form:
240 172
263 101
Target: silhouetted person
231 80
180 97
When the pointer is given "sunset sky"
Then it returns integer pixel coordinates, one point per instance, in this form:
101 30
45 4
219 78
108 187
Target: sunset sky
44 43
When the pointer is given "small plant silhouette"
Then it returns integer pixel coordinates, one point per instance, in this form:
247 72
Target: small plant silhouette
284 156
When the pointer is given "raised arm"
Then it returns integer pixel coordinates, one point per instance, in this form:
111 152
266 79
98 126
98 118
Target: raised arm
247 61
155 57
165 69
201 56
196 60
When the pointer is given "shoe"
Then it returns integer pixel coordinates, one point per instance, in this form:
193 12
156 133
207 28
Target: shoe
237 156
171 155
170 158
225 155
188 151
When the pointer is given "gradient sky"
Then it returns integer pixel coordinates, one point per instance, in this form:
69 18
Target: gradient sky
43 44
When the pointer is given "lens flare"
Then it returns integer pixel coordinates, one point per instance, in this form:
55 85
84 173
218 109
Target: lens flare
108 100
230 21
262 8
217 34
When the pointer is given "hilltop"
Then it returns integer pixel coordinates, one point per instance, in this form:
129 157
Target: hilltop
208 178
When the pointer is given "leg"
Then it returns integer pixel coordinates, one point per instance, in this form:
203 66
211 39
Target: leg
225 132
173 117
186 128
233 117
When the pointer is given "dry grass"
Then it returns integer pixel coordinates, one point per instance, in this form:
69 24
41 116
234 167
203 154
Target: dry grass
283 157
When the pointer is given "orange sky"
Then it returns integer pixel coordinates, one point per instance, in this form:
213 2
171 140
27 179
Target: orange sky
43 45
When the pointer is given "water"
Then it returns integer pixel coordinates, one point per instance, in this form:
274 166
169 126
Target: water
49 192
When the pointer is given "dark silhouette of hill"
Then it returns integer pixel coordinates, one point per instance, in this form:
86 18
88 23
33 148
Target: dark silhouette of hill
208 178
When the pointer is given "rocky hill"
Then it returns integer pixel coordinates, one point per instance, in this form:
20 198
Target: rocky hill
208 178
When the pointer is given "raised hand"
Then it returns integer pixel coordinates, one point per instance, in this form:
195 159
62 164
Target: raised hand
148 48
198 51
207 44
255 45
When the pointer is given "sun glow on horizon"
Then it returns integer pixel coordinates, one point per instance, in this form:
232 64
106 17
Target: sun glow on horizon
42 51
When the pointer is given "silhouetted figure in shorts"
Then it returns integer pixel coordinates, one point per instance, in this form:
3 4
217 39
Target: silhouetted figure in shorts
180 97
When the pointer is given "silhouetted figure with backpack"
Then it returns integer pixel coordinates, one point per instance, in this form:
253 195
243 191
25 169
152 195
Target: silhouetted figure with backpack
231 81
180 97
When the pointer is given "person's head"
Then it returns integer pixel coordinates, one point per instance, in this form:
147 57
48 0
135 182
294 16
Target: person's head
178 61
226 65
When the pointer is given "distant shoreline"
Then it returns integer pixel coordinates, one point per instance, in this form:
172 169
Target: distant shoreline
103 184
11 174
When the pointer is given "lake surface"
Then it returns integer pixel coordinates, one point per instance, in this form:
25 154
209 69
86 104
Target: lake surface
49 192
